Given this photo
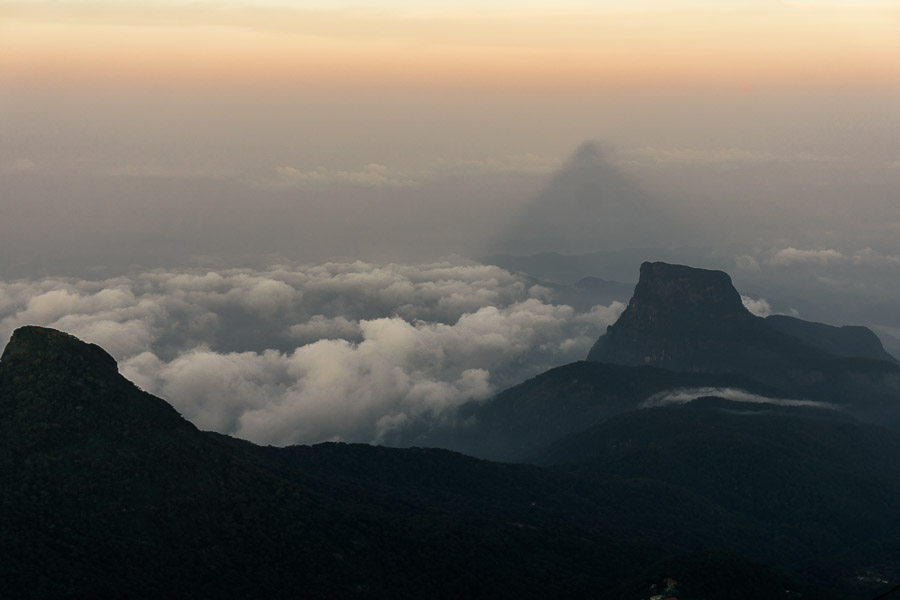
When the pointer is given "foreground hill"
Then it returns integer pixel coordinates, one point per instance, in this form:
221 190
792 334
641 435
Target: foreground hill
108 492
799 466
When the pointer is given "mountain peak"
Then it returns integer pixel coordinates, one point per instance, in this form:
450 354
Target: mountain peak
73 388
32 344
687 319
685 293
679 318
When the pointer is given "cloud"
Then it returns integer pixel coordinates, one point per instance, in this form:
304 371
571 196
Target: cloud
868 256
601 316
685 395
158 171
322 328
829 257
717 156
400 372
377 175
507 163
791 255
747 263
759 307
371 175
305 353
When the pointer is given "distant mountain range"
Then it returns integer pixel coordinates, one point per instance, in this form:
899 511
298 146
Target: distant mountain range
700 452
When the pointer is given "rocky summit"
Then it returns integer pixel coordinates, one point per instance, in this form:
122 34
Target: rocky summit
692 320
688 319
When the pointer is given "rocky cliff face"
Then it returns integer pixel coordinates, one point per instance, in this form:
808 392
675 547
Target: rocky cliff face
61 390
679 318
687 319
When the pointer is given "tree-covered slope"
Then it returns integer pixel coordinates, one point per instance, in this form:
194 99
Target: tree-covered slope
818 474
521 420
108 492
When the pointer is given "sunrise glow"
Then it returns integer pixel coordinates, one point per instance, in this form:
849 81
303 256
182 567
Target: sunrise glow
571 46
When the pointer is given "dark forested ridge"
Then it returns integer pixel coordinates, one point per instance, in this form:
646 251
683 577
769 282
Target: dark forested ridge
109 492
518 422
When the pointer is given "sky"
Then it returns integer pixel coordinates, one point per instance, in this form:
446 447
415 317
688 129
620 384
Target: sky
425 127
260 147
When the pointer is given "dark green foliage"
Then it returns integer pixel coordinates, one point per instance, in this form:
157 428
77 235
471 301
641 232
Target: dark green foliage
517 422
108 492
786 465
719 575
818 476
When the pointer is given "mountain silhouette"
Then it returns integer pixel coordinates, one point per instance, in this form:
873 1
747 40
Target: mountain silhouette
692 320
800 468
518 423
684 329
108 492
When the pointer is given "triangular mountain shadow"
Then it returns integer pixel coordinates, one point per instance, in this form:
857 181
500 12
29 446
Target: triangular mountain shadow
589 205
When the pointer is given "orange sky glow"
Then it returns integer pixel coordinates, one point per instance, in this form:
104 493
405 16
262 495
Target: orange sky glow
793 45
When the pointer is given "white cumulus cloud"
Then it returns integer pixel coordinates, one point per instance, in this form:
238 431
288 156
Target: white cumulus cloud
685 395
791 255
371 175
306 353
758 306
